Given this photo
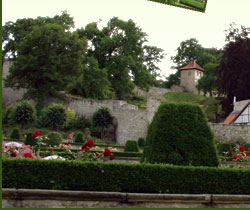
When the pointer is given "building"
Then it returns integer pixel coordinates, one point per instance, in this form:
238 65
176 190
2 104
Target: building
240 114
190 74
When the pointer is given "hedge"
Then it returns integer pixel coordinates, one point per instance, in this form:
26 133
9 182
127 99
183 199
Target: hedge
117 177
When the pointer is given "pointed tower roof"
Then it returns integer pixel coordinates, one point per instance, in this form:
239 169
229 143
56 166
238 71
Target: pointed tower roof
192 65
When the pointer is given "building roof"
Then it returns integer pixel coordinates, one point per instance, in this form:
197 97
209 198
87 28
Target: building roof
192 65
235 114
231 117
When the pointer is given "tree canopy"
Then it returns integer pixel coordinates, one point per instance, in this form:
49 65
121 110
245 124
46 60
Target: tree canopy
233 72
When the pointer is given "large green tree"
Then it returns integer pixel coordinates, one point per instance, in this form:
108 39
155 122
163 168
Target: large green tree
120 49
191 50
233 72
48 58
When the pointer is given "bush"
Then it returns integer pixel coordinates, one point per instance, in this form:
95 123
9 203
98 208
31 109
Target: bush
131 146
53 116
179 134
15 134
102 118
141 142
55 139
224 147
79 138
121 177
29 140
7 113
24 113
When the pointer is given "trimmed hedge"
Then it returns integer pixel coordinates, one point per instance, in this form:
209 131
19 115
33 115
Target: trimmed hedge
117 177
55 138
179 134
141 142
15 134
131 146
79 138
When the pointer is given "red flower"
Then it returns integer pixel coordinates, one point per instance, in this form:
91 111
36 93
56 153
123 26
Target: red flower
106 152
61 147
97 154
236 157
247 154
86 149
241 167
28 155
229 152
13 154
52 150
242 149
89 143
112 156
35 134
68 143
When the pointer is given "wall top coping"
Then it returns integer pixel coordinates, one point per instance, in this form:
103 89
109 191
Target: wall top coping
34 194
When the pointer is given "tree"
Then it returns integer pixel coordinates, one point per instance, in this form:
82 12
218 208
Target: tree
93 82
191 50
102 118
207 83
120 49
53 116
47 60
24 113
233 72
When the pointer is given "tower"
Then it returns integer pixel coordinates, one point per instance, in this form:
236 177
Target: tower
190 74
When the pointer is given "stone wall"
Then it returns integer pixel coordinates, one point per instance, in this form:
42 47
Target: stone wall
231 133
29 198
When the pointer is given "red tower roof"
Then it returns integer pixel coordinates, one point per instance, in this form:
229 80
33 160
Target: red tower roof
192 65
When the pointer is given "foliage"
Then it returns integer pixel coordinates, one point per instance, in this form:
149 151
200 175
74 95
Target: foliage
141 142
233 71
141 102
172 79
120 177
209 105
29 140
15 134
179 134
43 58
24 113
131 146
93 82
7 113
224 147
121 51
102 118
79 138
53 116
55 138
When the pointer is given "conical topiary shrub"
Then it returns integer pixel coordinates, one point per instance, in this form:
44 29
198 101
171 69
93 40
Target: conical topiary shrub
15 134
131 146
141 142
179 134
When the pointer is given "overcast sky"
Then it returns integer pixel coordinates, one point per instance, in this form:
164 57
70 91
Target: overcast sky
166 26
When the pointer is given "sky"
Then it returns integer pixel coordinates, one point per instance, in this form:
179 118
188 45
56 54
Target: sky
166 26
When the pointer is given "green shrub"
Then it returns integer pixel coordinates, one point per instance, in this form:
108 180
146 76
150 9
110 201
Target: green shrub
179 134
24 113
53 116
195 4
141 142
79 138
7 114
121 177
29 140
224 147
15 134
131 146
102 119
55 138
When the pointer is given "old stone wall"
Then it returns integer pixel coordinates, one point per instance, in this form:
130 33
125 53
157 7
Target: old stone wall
231 133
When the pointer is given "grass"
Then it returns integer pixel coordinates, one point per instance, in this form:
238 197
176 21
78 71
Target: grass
208 104
193 3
